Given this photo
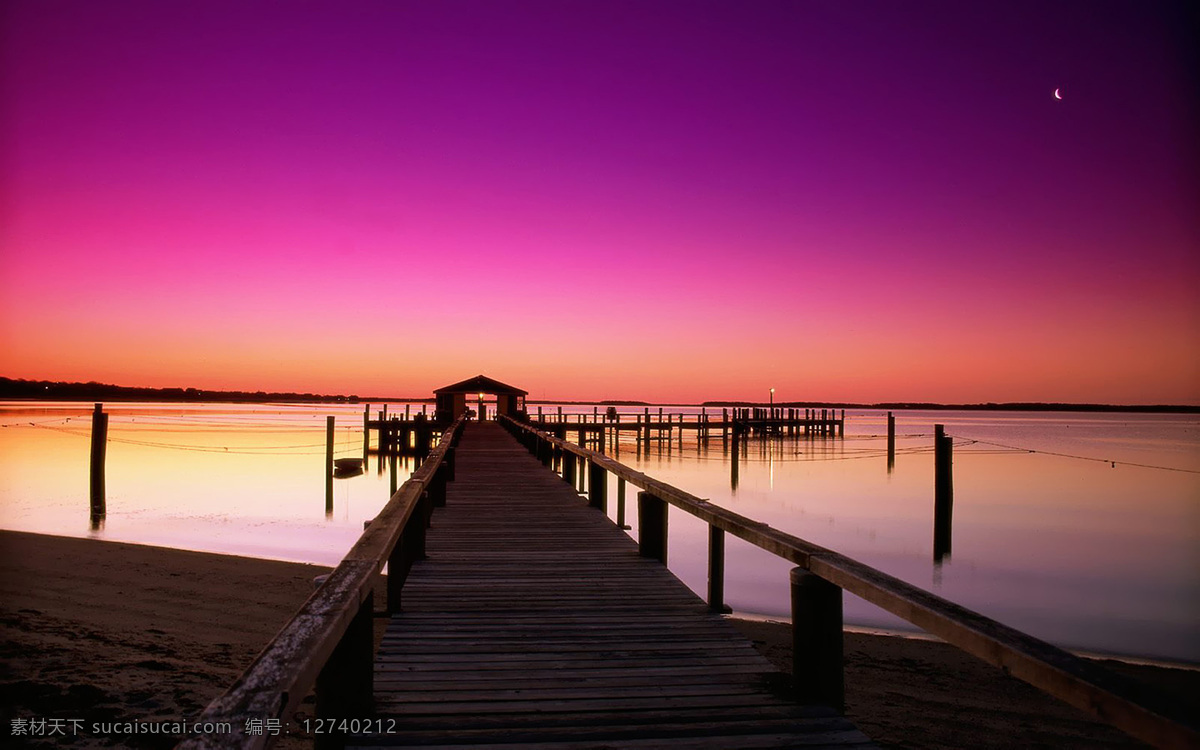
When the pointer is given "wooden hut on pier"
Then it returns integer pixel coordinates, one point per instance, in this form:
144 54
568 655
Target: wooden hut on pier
452 399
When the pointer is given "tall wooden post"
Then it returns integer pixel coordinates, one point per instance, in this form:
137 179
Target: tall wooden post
652 527
99 452
621 504
366 433
716 570
328 465
568 467
817 640
891 442
345 685
943 491
733 478
598 487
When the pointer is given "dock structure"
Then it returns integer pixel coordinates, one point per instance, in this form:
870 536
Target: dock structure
412 434
535 622
521 616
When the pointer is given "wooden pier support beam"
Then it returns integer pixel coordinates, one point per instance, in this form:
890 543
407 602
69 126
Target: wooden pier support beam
597 487
652 527
817 640
346 684
716 570
568 467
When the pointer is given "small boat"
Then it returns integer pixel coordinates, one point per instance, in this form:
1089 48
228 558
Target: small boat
347 467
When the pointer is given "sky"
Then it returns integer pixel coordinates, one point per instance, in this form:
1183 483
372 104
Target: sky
667 200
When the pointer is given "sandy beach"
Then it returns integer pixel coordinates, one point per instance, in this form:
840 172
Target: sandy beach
105 632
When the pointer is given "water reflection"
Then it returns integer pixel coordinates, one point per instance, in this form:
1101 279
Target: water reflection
1099 554
1071 550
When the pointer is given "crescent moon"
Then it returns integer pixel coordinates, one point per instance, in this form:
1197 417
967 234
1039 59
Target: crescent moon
1057 95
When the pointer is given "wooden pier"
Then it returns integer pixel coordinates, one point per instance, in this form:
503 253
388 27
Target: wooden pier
411 434
521 616
536 622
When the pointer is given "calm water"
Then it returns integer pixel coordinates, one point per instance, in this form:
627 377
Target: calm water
1059 542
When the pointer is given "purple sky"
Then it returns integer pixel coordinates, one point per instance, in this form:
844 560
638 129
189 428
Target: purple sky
604 199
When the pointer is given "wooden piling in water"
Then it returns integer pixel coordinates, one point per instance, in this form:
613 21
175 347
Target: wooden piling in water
943 491
99 504
328 465
366 433
891 441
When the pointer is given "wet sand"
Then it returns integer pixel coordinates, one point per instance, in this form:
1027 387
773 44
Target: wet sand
108 632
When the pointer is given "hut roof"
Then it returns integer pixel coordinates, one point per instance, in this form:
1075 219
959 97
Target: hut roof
482 384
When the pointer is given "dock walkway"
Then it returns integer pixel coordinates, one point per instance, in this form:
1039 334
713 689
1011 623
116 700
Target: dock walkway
534 622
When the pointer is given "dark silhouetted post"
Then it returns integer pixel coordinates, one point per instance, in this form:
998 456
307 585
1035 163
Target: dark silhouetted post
733 479
328 465
652 527
817 640
943 491
621 503
568 467
598 487
891 442
716 569
345 686
99 451
366 433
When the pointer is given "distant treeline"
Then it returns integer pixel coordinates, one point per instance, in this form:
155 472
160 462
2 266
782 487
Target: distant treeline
58 391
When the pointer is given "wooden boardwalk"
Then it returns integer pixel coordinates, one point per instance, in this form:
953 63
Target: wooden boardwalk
534 622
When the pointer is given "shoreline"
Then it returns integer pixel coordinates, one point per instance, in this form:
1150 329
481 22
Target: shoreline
112 631
918 635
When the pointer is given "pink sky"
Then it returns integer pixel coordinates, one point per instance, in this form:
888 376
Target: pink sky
649 200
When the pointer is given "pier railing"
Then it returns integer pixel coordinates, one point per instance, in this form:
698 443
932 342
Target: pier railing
328 644
822 575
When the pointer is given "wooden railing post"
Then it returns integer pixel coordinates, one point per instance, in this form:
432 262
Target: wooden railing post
652 527
450 464
568 467
345 687
621 504
716 570
398 565
437 486
598 487
891 441
817 640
